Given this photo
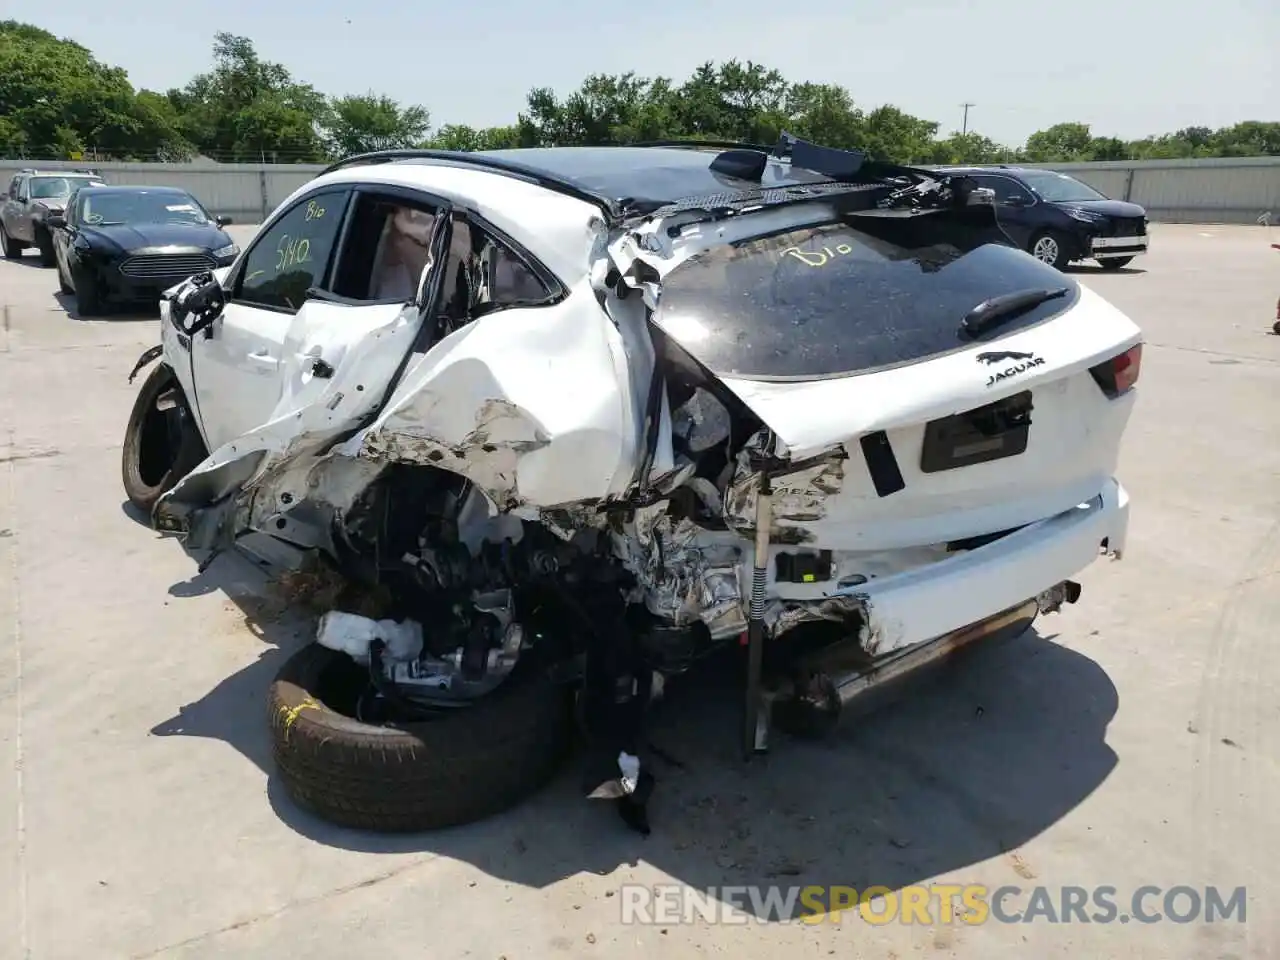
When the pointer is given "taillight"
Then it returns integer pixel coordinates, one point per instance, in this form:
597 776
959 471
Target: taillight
1120 373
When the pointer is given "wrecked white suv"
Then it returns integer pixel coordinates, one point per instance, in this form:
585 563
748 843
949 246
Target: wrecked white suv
579 416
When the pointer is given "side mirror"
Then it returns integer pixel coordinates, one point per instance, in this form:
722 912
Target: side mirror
56 220
1016 200
222 220
197 303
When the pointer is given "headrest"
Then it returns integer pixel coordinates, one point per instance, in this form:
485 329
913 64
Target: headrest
414 224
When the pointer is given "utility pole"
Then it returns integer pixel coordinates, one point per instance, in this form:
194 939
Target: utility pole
964 127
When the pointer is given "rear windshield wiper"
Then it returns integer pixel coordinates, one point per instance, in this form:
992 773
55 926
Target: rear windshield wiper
990 313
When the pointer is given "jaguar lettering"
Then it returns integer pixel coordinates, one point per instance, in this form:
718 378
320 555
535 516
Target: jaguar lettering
1015 370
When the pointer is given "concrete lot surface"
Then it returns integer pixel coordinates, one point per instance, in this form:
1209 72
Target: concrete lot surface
1132 740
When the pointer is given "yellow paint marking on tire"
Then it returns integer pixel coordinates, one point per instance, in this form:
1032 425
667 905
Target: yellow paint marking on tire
290 714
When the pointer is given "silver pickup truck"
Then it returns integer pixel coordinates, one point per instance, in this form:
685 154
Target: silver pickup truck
32 196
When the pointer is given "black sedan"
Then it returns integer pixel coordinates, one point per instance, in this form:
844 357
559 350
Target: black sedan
1057 218
131 243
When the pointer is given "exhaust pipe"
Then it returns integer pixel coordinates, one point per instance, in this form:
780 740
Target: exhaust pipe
832 682
896 665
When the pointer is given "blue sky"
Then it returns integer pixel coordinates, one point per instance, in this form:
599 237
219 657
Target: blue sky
1127 68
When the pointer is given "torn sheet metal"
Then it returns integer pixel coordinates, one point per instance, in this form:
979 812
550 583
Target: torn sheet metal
848 609
686 574
312 410
534 405
488 455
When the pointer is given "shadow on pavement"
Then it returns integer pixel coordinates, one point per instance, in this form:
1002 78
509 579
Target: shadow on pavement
1093 269
972 761
111 311
28 258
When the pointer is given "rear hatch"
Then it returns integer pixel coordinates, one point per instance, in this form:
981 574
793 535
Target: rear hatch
848 337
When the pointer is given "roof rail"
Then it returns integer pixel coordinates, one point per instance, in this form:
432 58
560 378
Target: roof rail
510 168
715 144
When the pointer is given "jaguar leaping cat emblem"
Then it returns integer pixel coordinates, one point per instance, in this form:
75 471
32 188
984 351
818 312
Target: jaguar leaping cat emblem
995 356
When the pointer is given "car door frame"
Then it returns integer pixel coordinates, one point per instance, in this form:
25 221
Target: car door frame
20 212
1014 221
7 201
285 319
251 320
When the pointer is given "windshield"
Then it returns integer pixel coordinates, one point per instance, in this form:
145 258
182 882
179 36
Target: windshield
141 206
48 188
847 297
1058 187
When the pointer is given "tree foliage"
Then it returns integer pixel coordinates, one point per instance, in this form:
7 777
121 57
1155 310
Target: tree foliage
57 101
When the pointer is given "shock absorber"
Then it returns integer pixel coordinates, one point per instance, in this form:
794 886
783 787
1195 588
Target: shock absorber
754 737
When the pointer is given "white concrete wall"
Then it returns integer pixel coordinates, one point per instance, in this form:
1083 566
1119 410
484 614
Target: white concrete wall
1226 190
246 192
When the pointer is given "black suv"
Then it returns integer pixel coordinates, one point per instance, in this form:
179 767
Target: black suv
1058 219
34 195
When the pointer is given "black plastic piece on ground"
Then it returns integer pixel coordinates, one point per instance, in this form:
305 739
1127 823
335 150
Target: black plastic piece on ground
634 807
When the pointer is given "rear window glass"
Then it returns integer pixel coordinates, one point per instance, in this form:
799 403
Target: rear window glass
839 299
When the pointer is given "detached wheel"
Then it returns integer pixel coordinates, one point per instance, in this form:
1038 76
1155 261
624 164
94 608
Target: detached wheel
160 446
88 293
473 762
44 243
1115 263
12 248
1049 247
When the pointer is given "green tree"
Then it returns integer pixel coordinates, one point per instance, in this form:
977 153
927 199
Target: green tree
967 148
456 136
56 100
824 113
1061 143
248 109
360 123
892 135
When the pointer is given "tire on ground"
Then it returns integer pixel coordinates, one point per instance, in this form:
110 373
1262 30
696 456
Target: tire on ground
44 243
88 294
1059 240
147 438
468 765
12 248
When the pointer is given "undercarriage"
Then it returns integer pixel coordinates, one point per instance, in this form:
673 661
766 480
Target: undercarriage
469 596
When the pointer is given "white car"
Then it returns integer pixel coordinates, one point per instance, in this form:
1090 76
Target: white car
586 414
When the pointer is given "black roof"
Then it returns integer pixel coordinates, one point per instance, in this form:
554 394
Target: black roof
642 179
651 175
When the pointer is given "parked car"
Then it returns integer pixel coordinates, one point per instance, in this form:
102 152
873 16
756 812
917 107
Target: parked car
1059 219
33 197
132 242
576 417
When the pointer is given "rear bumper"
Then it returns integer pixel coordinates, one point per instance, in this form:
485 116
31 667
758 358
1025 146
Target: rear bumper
1106 247
939 598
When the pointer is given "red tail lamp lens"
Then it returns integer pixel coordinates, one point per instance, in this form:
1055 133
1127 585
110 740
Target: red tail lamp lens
1120 373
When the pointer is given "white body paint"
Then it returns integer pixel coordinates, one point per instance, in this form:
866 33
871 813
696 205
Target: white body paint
544 410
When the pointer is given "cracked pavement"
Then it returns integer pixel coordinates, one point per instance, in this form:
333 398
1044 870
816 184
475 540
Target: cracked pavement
1132 739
